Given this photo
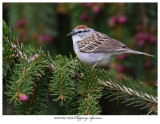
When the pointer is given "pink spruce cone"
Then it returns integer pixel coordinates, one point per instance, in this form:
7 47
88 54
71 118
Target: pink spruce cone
148 64
96 9
23 97
45 38
21 23
83 17
153 39
112 22
89 5
122 19
120 68
140 43
122 57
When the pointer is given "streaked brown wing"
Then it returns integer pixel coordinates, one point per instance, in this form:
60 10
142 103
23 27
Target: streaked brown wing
100 43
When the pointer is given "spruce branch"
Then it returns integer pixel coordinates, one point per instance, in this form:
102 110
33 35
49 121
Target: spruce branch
29 66
130 90
62 86
32 100
76 86
13 48
89 89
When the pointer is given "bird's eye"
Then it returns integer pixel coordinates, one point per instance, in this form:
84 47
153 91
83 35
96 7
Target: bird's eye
79 31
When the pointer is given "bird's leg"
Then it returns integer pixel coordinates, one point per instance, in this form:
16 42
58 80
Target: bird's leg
95 64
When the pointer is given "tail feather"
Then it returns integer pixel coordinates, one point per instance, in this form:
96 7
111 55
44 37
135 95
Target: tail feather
137 52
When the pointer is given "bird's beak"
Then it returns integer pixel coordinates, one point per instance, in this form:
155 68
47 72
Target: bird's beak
70 34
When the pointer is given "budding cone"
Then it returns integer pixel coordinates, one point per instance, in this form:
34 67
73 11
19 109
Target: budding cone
23 97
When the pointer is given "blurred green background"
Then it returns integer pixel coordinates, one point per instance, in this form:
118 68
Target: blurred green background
135 24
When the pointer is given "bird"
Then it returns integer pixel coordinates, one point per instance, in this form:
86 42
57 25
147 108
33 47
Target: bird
97 49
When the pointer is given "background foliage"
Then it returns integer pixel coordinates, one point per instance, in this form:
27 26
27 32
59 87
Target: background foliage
45 25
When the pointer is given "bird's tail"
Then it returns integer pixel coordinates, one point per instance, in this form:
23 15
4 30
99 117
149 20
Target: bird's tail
137 52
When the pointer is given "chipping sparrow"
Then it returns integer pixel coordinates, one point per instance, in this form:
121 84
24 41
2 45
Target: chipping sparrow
95 48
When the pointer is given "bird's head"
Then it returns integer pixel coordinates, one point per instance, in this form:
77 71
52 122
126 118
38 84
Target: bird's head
81 31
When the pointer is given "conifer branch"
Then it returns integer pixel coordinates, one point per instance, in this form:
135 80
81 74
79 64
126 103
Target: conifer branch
129 91
32 99
76 86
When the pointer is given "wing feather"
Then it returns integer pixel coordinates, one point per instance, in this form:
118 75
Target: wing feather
100 43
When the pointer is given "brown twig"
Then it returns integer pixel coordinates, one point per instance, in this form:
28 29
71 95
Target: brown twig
32 97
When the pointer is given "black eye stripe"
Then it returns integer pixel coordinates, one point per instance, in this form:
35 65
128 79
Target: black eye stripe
86 30
82 31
